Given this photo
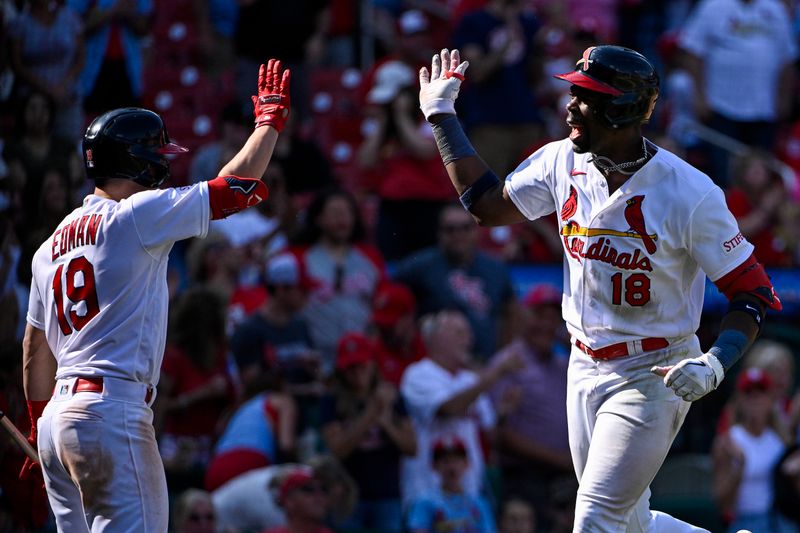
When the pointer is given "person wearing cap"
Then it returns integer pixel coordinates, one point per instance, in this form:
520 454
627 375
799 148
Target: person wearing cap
304 501
398 342
252 501
444 396
364 423
448 507
746 455
532 440
274 344
399 159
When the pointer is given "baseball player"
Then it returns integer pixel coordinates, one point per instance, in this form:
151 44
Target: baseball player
641 229
96 323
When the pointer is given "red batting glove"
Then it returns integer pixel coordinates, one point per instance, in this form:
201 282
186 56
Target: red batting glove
271 106
35 409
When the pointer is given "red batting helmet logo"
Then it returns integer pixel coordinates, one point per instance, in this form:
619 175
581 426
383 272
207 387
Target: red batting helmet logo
89 160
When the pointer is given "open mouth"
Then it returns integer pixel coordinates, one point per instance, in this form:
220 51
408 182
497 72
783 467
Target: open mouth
575 130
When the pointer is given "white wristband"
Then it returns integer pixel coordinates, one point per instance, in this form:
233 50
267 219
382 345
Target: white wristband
438 106
716 366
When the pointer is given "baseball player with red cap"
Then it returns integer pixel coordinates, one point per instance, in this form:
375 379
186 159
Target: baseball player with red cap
97 316
641 230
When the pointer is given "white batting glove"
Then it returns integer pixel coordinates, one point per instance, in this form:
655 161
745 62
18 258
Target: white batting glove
691 379
438 89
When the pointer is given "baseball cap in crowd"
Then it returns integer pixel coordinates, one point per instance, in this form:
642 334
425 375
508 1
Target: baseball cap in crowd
353 349
412 21
390 79
294 480
391 302
283 269
753 379
448 445
542 294
286 269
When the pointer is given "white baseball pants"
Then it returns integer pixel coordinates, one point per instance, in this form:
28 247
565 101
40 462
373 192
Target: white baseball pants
100 460
622 421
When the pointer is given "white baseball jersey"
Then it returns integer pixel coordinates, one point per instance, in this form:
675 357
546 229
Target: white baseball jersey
99 288
635 260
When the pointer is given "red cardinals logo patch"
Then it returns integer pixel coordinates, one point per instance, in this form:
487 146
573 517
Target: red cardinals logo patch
571 205
635 218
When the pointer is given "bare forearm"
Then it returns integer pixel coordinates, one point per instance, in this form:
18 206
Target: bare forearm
418 145
694 65
77 65
38 366
460 403
342 442
253 158
369 151
726 489
402 434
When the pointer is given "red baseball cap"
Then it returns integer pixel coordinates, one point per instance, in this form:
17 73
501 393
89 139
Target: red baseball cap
447 445
294 480
391 302
354 349
753 379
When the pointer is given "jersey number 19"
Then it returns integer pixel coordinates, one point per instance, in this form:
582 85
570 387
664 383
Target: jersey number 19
78 269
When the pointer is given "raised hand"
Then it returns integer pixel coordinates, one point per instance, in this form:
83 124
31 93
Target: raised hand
438 89
272 104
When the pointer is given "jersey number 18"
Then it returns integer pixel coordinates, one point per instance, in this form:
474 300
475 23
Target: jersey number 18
636 289
76 293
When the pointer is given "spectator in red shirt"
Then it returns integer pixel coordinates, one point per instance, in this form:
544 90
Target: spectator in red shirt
756 199
400 159
398 342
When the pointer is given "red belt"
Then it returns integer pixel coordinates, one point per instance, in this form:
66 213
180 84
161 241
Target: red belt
96 385
621 349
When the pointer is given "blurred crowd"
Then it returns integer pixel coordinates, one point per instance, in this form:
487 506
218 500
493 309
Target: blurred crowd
355 354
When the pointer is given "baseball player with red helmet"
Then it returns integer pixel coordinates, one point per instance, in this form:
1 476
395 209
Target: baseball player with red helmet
641 230
97 316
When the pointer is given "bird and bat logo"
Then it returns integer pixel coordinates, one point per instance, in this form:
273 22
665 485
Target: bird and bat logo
602 249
